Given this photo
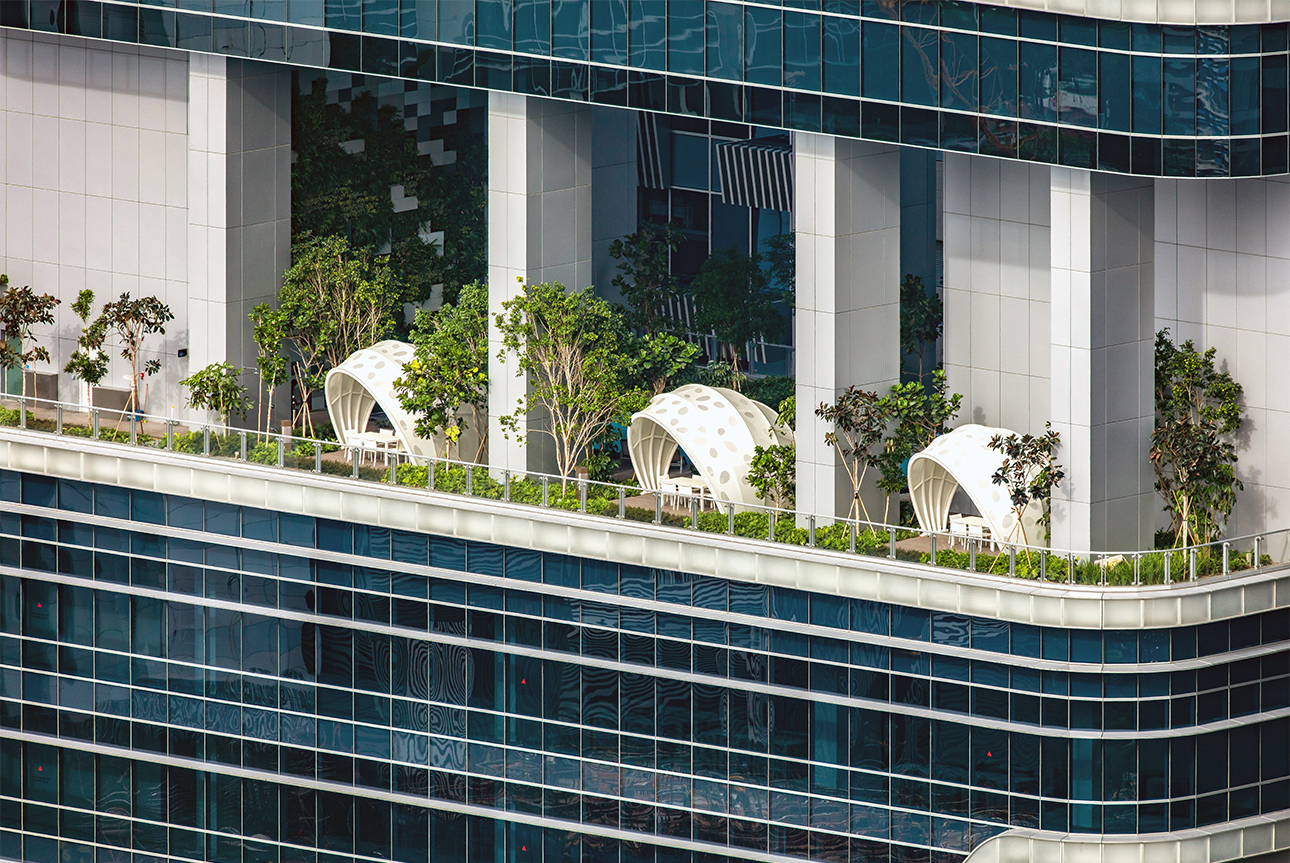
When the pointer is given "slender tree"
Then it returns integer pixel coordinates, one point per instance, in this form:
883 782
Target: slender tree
1193 451
572 347
130 321
860 422
917 414
269 329
22 309
773 475
449 372
335 301
1029 472
88 363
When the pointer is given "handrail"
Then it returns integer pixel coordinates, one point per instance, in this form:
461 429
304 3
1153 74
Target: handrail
942 549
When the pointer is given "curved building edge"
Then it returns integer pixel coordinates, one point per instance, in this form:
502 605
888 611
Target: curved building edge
1261 839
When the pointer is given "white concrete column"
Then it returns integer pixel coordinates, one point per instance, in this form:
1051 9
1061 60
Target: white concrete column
539 229
239 211
847 213
1103 332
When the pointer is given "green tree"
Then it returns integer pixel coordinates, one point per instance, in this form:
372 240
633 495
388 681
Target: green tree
450 370
130 321
269 329
916 416
773 474
646 281
21 309
88 363
218 388
1029 472
573 348
733 298
657 358
922 318
335 301
1193 451
860 419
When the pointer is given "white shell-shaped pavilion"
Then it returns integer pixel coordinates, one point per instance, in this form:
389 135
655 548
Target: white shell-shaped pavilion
718 428
364 380
962 458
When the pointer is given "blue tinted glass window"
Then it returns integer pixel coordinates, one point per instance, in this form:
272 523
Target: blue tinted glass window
788 604
1113 34
763 46
524 564
348 14
1038 81
725 40
1115 102
881 59
1037 25
76 496
600 576
912 623
995 19
842 56
920 65
959 71
456 21
647 39
801 50
673 586
1078 87
1274 94
1146 95
609 32
493 18
113 502
1077 30
533 26
685 37
382 16
447 553
1180 97
1086 645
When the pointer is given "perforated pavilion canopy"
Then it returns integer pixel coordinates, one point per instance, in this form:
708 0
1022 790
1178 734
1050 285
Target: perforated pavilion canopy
719 429
962 458
364 380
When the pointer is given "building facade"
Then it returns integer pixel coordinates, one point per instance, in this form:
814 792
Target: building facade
205 660
213 661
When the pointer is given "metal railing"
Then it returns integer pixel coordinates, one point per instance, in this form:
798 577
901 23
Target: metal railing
675 509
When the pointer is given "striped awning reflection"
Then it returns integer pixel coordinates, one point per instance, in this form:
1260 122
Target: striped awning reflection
757 172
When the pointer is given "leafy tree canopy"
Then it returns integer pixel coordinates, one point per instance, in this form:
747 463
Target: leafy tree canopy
449 372
576 353
218 388
1029 472
1193 448
89 362
22 309
773 474
130 320
335 300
